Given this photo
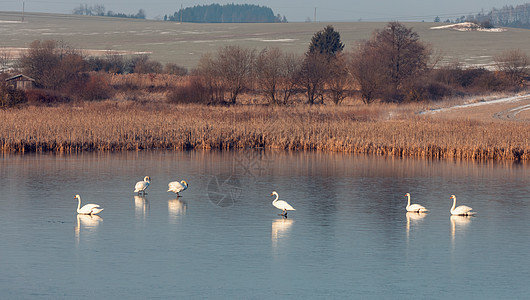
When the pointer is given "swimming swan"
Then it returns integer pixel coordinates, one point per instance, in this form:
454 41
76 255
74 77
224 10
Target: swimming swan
141 186
461 210
177 187
414 207
280 204
87 209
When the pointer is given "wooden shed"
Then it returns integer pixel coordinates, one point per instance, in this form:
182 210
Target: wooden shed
21 82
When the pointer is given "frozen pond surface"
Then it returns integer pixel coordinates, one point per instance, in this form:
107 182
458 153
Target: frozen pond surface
349 236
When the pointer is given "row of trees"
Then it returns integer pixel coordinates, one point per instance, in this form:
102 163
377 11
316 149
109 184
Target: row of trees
99 10
393 65
507 16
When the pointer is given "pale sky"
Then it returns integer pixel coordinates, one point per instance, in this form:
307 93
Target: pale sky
293 10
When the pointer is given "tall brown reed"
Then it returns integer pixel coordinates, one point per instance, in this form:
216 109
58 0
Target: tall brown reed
114 126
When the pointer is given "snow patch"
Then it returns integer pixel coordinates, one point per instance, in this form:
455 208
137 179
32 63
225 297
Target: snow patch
502 100
279 40
468 26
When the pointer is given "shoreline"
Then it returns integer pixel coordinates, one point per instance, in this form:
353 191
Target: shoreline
113 126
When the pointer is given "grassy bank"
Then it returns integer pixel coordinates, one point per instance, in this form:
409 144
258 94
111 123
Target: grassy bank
379 129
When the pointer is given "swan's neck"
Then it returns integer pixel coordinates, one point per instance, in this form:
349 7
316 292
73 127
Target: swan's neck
78 203
276 194
454 203
408 202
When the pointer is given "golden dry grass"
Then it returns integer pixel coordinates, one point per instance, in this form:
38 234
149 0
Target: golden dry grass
377 129
143 81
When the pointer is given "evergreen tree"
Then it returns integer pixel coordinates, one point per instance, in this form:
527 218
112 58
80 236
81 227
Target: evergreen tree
326 41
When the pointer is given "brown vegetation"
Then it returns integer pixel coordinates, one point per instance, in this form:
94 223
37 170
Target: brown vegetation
113 126
150 110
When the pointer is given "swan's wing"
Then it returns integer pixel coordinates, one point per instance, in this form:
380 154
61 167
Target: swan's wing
175 186
88 208
141 185
97 210
462 209
280 204
416 207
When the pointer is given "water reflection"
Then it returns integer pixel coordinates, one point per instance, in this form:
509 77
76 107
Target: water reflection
459 223
280 230
86 223
141 207
176 208
414 218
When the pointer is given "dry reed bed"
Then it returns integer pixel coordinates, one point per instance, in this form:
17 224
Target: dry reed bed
143 81
113 126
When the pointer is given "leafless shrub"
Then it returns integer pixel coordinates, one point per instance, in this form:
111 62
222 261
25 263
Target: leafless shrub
39 97
192 92
174 69
515 65
141 64
10 97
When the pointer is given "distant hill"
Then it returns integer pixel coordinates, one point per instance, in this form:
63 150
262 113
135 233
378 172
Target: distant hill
229 13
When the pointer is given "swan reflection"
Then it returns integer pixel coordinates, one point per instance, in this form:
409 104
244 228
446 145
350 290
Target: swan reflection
280 229
413 218
176 208
459 223
88 223
141 206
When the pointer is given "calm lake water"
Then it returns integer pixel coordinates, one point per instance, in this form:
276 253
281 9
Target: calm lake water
348 238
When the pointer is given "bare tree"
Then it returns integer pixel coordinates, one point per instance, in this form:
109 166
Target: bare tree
39 61
402 54
52 64
313 76
292 64
514 64
269 73
210 76
233 66
338 80
367 70
99 10
275 74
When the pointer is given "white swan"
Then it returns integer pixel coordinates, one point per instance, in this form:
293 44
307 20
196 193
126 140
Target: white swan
141 186
461 210
177 187
280 204
87 209
414 207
